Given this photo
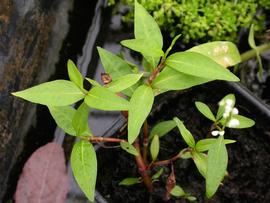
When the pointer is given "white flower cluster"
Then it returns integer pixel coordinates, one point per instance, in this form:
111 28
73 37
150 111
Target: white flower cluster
217 132
229 109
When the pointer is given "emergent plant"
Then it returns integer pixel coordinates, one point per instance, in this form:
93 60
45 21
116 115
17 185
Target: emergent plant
132 91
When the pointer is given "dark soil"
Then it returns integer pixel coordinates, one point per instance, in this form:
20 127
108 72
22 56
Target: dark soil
249 157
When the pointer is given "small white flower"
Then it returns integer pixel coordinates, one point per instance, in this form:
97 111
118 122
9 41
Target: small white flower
235 111
221 133
233 123
215 133
229 102
228 109
226 115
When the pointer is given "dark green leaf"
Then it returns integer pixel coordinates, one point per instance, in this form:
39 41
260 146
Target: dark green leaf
84 167
187 136
205 144
129 148
101 98
224 53
205 110
216 166
74 74
162 128
196 64
154 147
140 106
80 121
54 93
63 117
130 181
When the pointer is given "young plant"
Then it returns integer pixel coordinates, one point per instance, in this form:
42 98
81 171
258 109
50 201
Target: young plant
128 89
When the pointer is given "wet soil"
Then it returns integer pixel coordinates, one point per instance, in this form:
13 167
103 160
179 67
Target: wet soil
249 157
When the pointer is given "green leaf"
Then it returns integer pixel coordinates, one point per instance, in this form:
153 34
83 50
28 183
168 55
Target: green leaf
147 66
200 160
206 144
113 65
205 110
145 46
177 191
145 27
93 82
74 74
196 64
154 147
84 167
63 117
162 128
153 61
224 53
54 93
170 79
216 166
80 121
171 46
123 82
187 136
222 103
129 148
103 99
244 122
139 107
157 174
130 181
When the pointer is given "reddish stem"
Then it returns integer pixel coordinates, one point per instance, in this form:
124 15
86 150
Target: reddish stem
104 139
156 71
166 162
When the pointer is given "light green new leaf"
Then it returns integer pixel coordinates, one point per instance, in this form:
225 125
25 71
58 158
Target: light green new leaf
206 144
224 53
170 79
217 161
196 64
157 174
154 147
162 128
63 117
177 191
74 74
130 181
54 93
123 82
129 148
145 26
103 99
187 136
93 82
84 167
171 46
205 110
139 107
113 65
80 121
200 160
244 122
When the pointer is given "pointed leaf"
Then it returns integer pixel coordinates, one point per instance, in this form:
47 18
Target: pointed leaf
123 82
145 46
80 121
162 128
44 177
206 144
54 93
224 53
170 79
113 65
154 147
84 167
74 74
63 117
205 110
200 160
103 99
129 148
244 122
93 82
187 136
172 44
216 166
130 181
140 106
157 174
196 64
177 191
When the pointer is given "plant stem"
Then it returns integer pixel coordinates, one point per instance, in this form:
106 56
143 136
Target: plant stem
156 71
145 140
252 53
143 168
94 139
